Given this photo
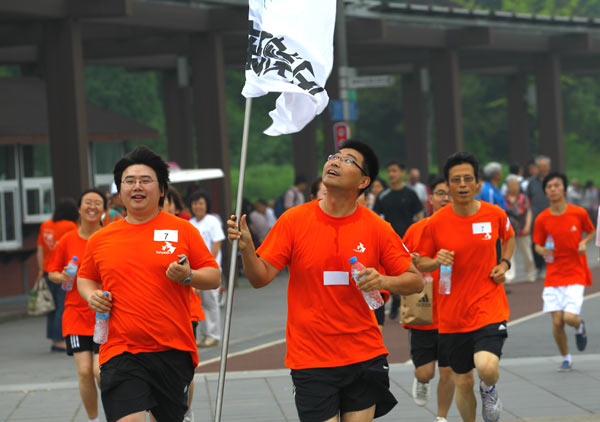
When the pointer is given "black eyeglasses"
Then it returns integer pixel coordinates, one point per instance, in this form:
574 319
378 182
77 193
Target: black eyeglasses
346 160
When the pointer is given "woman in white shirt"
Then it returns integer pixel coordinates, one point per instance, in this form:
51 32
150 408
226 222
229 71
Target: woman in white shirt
211 229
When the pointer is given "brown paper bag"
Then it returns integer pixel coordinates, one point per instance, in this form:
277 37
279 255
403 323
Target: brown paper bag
417 309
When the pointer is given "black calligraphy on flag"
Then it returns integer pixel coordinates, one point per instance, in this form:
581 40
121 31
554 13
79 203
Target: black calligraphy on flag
267 53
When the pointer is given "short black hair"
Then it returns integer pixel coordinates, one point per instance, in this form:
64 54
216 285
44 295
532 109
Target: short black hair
436 181
380 180
299 180
370 161
514 168
461 158
96 191
400 165
555 175
66 210
199 195
174 196
314 188
144 155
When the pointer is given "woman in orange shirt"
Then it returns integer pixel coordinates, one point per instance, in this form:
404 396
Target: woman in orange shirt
78 318
63 221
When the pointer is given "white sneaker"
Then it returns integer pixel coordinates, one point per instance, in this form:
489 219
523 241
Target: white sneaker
440 419
189 416
420 392
491 404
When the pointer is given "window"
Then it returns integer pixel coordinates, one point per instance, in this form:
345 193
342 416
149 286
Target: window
104 158
37 199
8 169
10 212
37 193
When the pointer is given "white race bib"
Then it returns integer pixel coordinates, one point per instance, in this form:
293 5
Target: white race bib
481 228
336 278
166 235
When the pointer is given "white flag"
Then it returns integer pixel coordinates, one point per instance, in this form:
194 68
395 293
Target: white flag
290 50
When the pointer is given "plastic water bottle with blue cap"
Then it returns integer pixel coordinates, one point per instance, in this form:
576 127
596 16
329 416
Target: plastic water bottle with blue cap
71 271
550 246
445 279
373 298
101 327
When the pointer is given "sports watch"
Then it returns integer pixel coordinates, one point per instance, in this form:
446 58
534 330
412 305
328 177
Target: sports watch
188 279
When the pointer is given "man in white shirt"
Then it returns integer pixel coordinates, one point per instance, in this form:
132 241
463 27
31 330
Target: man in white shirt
295 195
412 181
259 220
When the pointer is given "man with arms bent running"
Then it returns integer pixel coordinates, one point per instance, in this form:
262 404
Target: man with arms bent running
334 346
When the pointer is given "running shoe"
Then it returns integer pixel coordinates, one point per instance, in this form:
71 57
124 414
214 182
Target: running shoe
209 342
440 419
565 366
420 392
581 339
491 404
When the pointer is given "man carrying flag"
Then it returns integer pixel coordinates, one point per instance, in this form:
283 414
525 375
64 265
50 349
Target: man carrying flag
334 346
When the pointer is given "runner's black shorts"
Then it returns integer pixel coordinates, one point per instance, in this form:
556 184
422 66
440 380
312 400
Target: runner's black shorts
194 325
322 393
460 347
424 348
156 381
380 315
77 343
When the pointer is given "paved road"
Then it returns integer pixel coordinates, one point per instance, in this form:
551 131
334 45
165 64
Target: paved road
36 385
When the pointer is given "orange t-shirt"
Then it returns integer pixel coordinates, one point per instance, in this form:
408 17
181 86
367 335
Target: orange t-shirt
150 313
329 323
50 233
78 318
412 238
196 311
569 267
475 299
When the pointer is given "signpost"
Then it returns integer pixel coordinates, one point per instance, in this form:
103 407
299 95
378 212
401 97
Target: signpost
378 81
341 133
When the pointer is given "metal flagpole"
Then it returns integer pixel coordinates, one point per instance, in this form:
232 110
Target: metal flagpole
233 266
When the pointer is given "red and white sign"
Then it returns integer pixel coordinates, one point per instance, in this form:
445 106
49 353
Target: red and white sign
341 133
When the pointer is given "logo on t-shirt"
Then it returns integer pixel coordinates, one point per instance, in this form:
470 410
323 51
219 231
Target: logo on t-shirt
483 228
573 228
360 248
166 249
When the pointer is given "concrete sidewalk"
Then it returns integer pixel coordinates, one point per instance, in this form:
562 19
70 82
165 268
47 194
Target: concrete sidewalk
36 385
530 389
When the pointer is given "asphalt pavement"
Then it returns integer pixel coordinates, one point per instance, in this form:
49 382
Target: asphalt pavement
38 385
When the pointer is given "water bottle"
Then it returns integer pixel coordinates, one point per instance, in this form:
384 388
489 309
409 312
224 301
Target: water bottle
71 270
549 245
373 298
445 279
101 327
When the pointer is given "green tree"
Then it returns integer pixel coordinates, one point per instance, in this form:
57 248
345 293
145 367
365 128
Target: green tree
133 94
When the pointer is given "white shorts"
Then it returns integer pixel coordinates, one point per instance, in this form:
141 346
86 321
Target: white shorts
563 298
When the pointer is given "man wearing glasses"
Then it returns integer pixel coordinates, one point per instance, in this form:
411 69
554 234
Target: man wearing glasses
424 350
334 347
149 359
401 206
476 239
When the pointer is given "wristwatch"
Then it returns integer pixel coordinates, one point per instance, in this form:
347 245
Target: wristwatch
507 262
188 279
